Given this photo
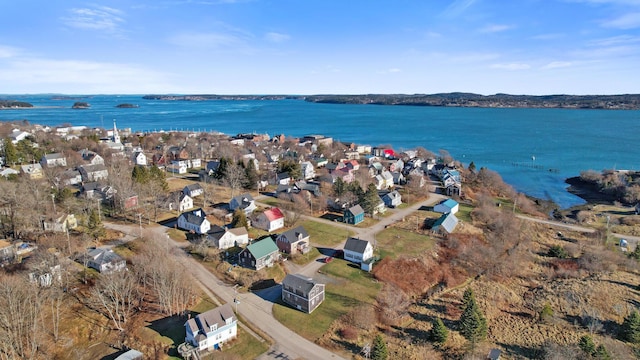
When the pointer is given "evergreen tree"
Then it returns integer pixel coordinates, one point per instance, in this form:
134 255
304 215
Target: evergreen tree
473 325
379 351
586 344
601 353
290 166
159 177
221 171
251 175
239 219
472 167
630 330
94 225
370 199
140 174
339 187
10 152
439 332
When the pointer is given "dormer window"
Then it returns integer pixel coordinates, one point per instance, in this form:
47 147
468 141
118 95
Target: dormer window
228 321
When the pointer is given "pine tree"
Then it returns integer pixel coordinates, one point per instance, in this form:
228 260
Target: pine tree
601 353
379 349
630 330
339 187
473 325
140 174
251 175
586 344
371 199
439 332
94 225
10 152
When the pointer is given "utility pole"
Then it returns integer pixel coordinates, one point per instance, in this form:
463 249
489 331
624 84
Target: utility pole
53 201
236 301
140 223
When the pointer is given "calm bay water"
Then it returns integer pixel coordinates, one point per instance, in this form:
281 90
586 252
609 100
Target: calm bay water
547 145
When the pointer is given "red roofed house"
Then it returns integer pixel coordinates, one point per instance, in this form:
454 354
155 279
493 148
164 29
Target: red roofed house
270 220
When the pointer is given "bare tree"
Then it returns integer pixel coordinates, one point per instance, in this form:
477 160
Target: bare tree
234 178
115 295
392 304
20 322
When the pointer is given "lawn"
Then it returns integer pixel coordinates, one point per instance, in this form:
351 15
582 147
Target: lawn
464 212
300 259
395 241
322 234
351 287
177 235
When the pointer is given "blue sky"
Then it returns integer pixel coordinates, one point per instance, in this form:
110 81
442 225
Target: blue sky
319 47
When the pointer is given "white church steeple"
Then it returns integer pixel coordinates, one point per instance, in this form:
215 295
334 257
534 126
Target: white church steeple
116 136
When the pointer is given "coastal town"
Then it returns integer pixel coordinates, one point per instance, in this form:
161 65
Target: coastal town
201 245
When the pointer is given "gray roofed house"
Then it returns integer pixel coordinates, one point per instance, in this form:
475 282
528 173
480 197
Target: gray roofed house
357 251
195 221
93 172
244 202
193 190
353 215
302 293
224 238
212 328
54 159
294 241
103 260
392 199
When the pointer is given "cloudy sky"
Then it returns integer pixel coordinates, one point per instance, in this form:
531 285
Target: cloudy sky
320 46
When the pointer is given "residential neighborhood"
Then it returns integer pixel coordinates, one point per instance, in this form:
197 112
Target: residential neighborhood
196 231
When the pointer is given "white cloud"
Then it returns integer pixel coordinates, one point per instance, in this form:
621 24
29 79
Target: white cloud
511 66
275 37
557 65
615 40
547 36
100 18
8 51
625 22
69 75
208 40
495 28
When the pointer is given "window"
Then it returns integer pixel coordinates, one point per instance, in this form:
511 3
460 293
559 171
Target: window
214 327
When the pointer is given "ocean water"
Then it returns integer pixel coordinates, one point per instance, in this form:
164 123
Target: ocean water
534 150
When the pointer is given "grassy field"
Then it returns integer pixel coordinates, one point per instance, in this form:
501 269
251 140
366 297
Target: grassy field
395 241
300 259
464 212
325 235
177 235
351 287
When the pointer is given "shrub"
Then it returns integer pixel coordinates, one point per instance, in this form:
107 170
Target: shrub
630 329
546 312
558 251
349 333
586 344
439 332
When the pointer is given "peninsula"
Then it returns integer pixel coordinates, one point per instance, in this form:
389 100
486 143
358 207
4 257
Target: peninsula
454 99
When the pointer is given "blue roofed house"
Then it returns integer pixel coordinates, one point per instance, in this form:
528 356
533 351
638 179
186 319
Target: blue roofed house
447 206
353 215
260 254
446 223
195 221
211 329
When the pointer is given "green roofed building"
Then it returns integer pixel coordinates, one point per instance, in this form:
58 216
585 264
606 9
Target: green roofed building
262 253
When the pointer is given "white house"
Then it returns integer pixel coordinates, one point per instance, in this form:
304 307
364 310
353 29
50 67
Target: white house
54 159
308 170
92 173
392 199
211 329
104 260
224 238
194 220
357 251
193 190
177 168
447 206
185 203
139 158
270 220
243 202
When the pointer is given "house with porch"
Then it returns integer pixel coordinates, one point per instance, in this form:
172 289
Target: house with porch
260 254
269 220
302 293
211 329
353 215
294 241
104 260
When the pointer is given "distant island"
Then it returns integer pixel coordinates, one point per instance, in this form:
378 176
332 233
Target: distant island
456 99
127 106
80 105
12 104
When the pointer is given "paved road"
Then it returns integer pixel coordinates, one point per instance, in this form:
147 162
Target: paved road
288 344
